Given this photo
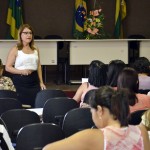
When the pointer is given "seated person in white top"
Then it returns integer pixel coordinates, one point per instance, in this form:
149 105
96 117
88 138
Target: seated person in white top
97 77
24 63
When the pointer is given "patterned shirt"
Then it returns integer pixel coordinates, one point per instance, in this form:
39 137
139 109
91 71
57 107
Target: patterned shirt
128 138
6 84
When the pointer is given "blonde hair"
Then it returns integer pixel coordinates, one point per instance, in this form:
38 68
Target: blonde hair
20 44
146 119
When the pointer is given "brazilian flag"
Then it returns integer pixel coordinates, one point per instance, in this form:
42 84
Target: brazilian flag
119 17
80 14
14 18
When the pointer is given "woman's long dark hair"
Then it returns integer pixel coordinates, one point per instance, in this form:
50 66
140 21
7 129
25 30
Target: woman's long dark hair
116 101
128 78
114 68
142 65
97 73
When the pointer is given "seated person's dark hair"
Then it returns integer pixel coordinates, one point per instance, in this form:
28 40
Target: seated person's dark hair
89 95
97 73
128 79
114 68
116 101
142 65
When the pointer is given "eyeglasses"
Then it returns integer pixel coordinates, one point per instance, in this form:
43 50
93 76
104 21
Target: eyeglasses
26 33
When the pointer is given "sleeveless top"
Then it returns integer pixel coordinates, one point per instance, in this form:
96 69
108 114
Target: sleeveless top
128 138
26 61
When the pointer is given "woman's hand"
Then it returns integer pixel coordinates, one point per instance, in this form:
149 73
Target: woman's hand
42 85
26 72
84 105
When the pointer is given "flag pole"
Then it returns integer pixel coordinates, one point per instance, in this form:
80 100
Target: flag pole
94 3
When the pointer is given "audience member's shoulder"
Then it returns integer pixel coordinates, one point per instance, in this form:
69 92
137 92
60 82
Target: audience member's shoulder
143 96
97 137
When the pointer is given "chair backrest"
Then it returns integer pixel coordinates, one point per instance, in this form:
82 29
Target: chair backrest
8 94
36 136
3 123
135 117
88 96
8 104
55 109
16 119
76 120
44 95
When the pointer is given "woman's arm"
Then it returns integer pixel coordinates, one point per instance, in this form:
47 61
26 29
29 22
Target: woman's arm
146 139
11 58
90 139
40 72
80 91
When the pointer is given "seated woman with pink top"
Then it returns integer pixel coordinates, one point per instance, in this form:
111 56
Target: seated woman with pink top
97 78
128 78
110 111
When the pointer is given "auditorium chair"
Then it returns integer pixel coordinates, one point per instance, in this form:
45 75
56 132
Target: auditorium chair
76 120
135 117
8 104
16 119
44 95
55 109
36 136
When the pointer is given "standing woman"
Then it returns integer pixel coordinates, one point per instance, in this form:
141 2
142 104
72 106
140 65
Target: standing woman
23 62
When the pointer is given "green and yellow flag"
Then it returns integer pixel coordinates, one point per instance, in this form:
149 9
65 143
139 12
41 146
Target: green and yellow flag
119 17
80 15
14 18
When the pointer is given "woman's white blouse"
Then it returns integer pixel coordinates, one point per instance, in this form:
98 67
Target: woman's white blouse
26 61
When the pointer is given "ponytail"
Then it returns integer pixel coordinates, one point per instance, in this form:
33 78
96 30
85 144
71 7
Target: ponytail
120 106
116 101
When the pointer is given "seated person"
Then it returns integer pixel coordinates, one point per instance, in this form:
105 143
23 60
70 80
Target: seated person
110 111
128 78
5 82
114 68
97 78
5 142
142 66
